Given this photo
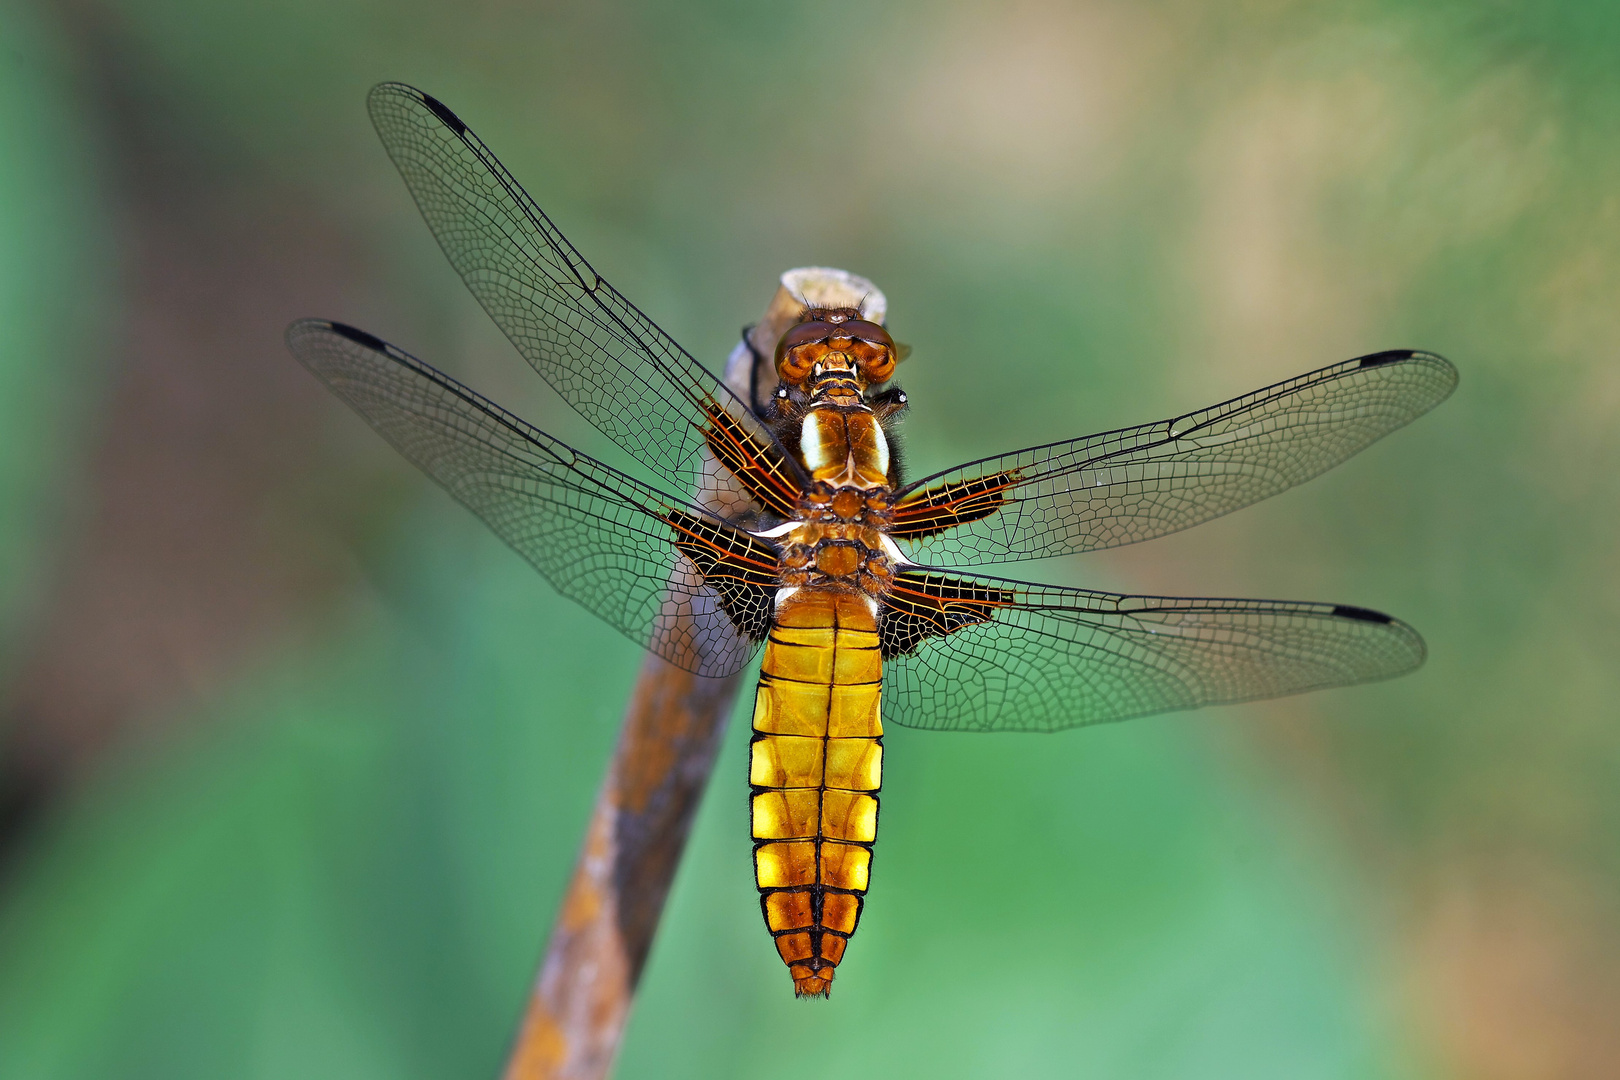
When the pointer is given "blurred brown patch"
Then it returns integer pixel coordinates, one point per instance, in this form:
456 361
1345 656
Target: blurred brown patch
1341 169
1031 101
199 541
1517 975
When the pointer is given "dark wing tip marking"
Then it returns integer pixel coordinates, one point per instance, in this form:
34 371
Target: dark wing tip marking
442 111
1388 356
1347 611
359 337
599 351
446 115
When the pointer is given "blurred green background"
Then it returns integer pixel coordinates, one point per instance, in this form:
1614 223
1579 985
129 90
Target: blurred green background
295 759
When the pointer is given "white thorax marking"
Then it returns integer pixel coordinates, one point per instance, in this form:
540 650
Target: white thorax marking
810 444
892 550
882 448
780 530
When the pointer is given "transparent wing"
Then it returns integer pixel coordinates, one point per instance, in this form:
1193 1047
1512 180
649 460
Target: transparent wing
608 360
1119 487
971 653
672 577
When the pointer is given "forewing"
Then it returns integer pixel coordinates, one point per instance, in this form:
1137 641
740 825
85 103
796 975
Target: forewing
970 653
672 577
608 360
1119 487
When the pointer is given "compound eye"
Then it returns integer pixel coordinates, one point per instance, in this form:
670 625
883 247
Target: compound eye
795 367
806 333
794 361
867 331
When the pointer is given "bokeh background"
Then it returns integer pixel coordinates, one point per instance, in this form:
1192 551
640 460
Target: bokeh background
295 759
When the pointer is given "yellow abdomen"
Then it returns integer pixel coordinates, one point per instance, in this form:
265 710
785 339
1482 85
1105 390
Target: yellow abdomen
815 766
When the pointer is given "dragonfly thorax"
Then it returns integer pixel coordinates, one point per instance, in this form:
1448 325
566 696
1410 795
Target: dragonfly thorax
837 555
845 448
843 514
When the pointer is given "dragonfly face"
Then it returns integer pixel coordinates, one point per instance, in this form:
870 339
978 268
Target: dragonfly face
792 527
834 355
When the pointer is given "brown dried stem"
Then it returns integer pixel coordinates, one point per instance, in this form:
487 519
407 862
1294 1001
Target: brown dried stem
638 829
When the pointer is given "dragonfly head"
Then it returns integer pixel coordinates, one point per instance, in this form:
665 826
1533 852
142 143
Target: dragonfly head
833 352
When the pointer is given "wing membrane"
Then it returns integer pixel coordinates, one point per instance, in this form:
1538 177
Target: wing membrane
1119 487
971 653
608 360
672 577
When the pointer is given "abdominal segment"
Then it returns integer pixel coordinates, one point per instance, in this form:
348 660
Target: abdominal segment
815 768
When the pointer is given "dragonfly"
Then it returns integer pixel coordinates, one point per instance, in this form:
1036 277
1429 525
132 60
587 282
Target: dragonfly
785 521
